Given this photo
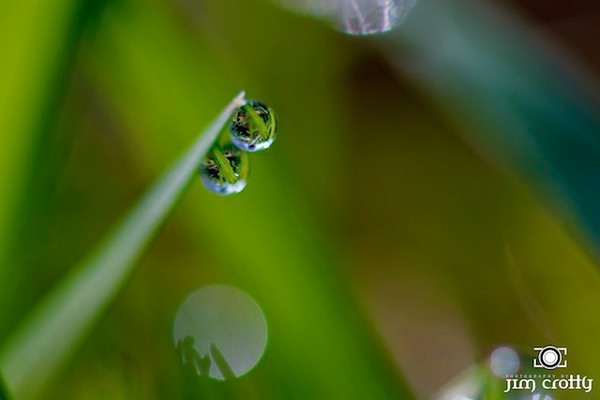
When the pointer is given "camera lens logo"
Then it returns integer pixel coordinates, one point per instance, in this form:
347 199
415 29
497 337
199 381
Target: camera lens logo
550 357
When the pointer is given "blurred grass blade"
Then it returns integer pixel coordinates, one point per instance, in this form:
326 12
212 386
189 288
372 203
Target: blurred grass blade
51 333
35 38
522 100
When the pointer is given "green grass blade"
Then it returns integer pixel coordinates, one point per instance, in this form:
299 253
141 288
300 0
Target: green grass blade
34 38
38 349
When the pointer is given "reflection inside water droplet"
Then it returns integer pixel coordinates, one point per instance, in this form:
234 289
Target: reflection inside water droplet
225 169
220 331
253 126
357 17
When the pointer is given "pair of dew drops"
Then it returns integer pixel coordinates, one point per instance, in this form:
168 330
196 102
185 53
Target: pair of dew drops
253 127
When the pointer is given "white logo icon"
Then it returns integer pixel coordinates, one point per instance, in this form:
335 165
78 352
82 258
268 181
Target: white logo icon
550 357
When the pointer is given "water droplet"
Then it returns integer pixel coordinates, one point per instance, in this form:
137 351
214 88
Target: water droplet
220 331
225 169
253 126
357 17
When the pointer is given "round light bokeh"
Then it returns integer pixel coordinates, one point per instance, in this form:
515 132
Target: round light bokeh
504 361
221 330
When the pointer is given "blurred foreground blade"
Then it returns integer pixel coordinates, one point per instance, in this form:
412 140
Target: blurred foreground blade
522 102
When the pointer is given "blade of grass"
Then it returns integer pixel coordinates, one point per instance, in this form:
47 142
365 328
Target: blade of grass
52 332
36 38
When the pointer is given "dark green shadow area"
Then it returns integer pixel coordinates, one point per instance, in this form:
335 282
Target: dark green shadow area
3 392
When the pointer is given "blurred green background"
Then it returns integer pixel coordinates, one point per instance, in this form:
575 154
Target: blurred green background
390 241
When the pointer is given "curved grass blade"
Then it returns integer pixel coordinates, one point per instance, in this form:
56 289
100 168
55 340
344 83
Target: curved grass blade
50 335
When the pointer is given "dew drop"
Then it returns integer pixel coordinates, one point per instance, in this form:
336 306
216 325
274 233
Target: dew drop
220 331
253 126
225 169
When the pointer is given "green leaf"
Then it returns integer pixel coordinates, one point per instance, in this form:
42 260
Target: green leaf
52 332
